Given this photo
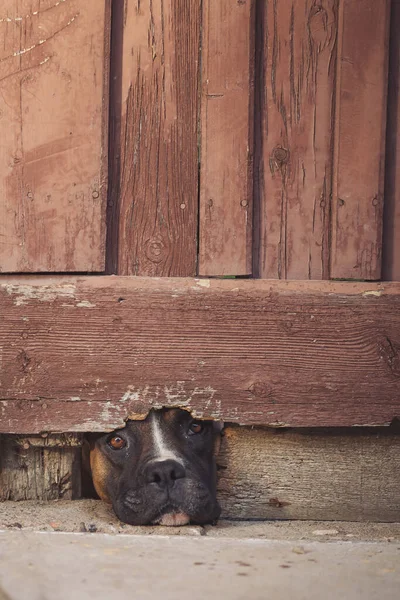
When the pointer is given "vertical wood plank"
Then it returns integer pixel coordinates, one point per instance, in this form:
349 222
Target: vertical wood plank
226 180
359 155
296 59
53 110
391 229
159 159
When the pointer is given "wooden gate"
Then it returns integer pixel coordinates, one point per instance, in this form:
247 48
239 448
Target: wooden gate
230 156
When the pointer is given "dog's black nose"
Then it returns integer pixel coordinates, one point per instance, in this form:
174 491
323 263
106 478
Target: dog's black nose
164 473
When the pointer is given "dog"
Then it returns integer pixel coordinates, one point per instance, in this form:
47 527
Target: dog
159 471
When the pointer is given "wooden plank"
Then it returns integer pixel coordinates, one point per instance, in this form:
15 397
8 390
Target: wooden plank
226 138
297 56
359 153
40 468
53 167
391 228
317 474
159 162
81 354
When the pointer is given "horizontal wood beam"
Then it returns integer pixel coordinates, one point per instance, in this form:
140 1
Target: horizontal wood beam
310 474
86 353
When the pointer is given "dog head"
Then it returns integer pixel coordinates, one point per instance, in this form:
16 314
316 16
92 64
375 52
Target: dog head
160 470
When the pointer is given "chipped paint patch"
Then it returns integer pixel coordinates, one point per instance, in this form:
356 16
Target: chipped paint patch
23 293
108 419
203 282
85 304
174 396
375 293
168 395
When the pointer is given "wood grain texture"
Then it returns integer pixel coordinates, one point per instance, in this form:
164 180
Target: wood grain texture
391 230
38 468
317 474
295 94
53 110
82 354
358 178
226 190
159 158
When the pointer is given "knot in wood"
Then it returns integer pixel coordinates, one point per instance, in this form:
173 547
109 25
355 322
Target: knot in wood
280 155
375 201
155 250
260 389
318 25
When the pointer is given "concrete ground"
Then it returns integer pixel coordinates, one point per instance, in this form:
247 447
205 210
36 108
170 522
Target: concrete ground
79 550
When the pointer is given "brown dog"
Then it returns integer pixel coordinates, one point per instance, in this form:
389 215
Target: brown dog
160 470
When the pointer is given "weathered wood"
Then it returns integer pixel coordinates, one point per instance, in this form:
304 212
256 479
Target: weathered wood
391 230
159 158
359 154
264 473
296 59
81 354
40 468
317 474
226 189
53 109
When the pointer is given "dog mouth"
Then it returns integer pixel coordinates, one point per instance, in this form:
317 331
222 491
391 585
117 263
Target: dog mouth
171 516
173 519
195 504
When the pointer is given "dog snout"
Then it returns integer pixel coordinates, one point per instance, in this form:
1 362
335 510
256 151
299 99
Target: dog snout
164 473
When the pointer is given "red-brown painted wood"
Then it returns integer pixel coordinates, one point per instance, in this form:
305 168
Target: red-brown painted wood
54 122
157 191
86 353
296 60
360 125
226 138
391 228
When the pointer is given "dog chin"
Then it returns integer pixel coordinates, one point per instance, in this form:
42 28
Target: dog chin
173 519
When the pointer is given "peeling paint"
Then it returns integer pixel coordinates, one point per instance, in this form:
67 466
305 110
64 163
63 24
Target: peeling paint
376 293
175 394
203 283
23 293
85 304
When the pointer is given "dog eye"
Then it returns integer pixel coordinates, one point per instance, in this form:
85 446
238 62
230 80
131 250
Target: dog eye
117 442
195 427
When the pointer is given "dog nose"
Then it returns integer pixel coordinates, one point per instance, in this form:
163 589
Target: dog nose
164 473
